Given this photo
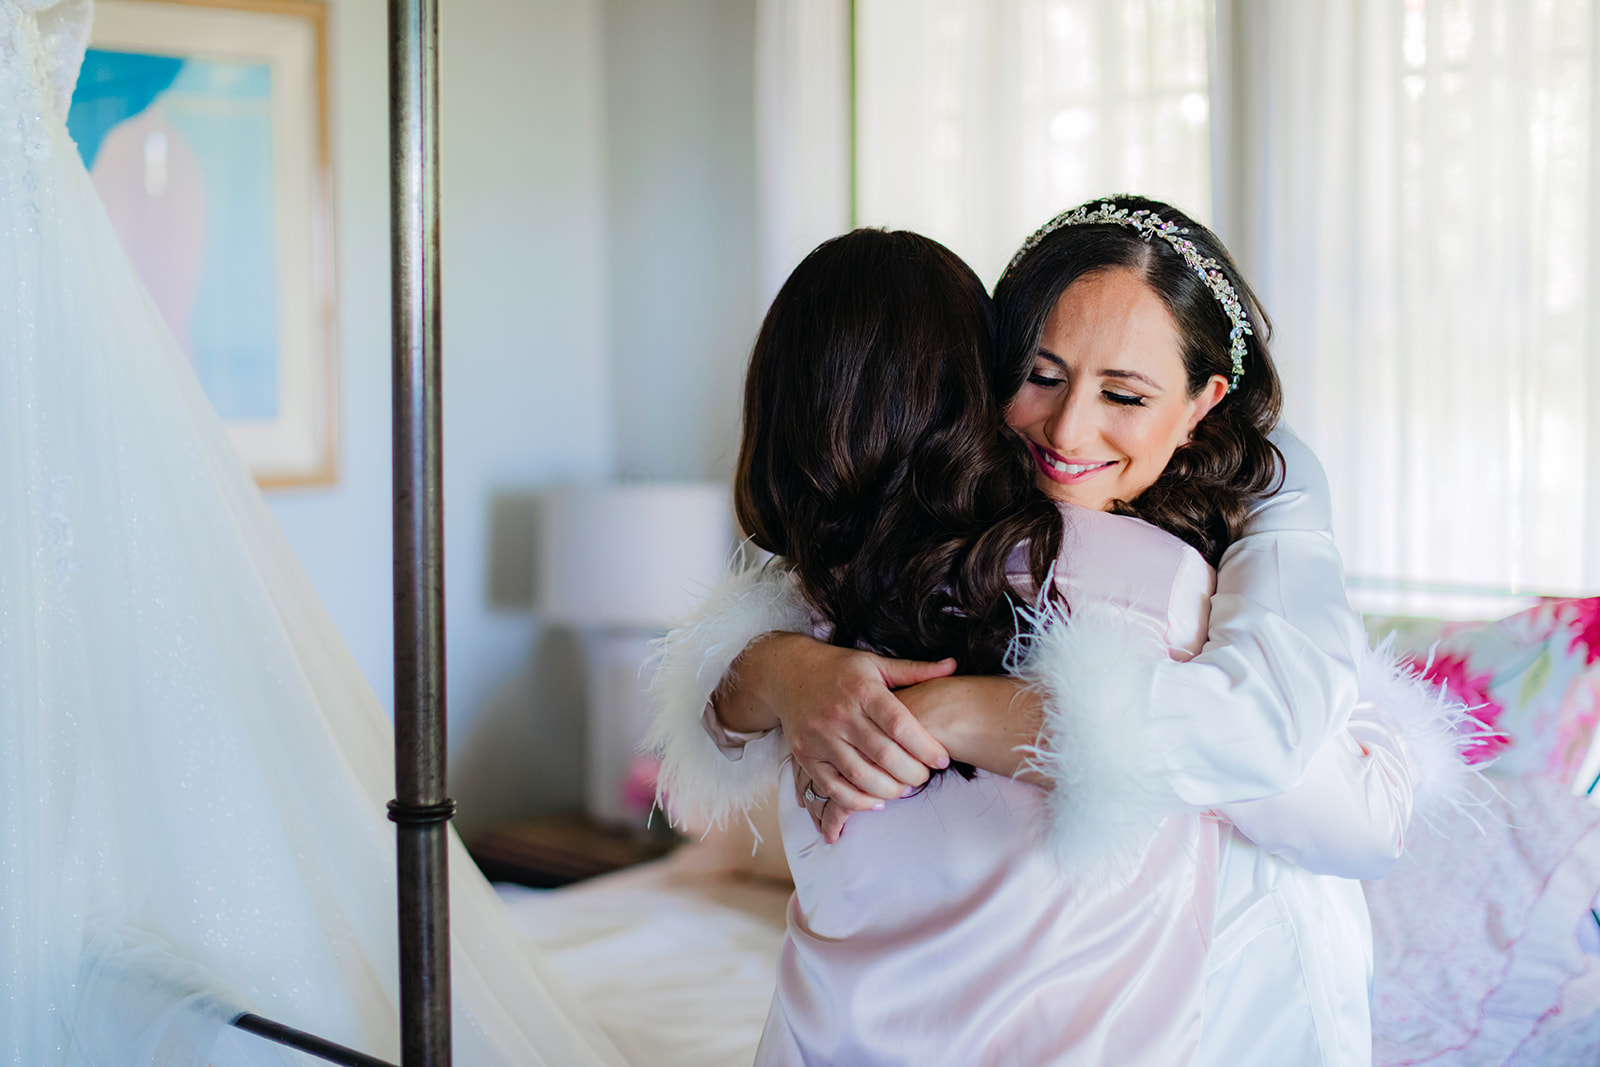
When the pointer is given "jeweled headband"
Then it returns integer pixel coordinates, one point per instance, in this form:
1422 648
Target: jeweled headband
1149 225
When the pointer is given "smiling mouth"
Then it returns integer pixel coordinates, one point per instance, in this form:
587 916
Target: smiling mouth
1059 470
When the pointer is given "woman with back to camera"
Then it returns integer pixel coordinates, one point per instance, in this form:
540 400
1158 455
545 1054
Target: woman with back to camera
899 530
1121 324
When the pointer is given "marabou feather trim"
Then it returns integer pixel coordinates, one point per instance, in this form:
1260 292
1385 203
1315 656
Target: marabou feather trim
1437 732
698 785
1096 745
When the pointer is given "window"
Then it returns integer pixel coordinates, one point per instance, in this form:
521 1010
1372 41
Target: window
977 120
1408 183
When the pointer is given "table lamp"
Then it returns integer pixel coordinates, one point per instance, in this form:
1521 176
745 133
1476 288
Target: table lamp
620 564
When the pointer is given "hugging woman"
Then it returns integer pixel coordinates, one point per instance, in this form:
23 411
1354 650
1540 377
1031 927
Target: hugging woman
1079 898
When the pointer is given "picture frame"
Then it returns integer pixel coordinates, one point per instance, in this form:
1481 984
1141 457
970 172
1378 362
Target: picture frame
204 126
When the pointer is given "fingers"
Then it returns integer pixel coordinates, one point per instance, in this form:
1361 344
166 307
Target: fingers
882 751
898 673
878 765
831 823
850 732
827 815
856 773
903 746
828 782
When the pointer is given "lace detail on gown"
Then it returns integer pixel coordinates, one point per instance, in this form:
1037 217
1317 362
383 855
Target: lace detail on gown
41 50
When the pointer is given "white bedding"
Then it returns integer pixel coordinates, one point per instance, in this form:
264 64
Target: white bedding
675 959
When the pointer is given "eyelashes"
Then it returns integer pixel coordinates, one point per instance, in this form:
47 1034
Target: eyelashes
1127 400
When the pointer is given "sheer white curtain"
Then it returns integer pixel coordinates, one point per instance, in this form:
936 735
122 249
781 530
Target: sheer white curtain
1416 202
977 120
1410 184
802 129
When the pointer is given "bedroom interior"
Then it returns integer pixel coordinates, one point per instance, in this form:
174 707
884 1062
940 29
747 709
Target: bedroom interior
623 184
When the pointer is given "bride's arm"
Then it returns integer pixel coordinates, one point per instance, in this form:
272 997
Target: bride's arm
1347 816
1278 676
1262 715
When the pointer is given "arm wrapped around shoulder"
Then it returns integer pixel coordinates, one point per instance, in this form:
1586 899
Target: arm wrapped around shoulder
1109 786
701 782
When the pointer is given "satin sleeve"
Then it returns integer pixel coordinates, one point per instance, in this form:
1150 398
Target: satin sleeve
1348 815
1278 675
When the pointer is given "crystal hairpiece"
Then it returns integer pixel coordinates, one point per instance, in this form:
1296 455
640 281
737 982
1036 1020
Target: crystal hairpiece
1149 225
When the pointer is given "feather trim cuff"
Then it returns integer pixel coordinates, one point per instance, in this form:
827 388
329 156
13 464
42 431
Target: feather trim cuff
1437 733
699 785
1110 787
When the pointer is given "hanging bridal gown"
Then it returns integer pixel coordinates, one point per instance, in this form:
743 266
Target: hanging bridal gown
192 770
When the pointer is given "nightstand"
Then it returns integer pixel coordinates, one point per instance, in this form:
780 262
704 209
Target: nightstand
558 850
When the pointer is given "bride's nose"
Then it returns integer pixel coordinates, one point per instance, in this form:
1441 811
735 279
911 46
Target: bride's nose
1070 421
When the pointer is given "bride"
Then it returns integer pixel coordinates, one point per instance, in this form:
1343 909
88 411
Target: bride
192 770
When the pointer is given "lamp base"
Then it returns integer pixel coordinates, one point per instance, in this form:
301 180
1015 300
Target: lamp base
618 716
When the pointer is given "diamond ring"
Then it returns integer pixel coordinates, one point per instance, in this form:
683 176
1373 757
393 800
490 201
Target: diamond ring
812 794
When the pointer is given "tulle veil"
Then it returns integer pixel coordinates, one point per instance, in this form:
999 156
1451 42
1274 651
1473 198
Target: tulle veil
193 771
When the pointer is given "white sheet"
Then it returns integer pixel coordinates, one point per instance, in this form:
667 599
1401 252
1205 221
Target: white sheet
676 962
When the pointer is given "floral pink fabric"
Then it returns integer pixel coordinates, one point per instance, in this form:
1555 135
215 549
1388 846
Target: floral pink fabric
1533 680
1476 931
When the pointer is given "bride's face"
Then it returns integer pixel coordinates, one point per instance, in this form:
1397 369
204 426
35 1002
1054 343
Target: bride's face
1107 402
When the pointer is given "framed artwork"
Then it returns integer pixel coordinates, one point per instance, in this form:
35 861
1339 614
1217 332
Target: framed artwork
203 124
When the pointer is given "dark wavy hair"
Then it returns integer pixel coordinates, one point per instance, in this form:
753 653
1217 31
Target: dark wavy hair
1203 494
874 457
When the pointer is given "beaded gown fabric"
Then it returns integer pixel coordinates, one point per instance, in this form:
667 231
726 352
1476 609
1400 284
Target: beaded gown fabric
193 771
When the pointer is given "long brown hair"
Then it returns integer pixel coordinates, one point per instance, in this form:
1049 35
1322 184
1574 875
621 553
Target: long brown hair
874 458
1204 494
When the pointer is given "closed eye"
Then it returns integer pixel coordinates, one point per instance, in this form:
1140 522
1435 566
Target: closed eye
1131 400
1045 381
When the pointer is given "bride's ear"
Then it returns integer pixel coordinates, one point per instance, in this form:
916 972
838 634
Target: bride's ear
1208 397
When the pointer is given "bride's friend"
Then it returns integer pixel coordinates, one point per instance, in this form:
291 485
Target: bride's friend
1138 374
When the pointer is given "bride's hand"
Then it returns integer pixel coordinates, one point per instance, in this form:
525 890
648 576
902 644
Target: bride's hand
852 739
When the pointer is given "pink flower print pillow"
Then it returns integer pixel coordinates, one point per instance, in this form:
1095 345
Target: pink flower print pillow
1533 680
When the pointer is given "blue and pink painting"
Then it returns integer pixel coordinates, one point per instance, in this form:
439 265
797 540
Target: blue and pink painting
180 150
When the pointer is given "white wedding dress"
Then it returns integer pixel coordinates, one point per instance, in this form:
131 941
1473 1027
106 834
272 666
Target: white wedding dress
192 770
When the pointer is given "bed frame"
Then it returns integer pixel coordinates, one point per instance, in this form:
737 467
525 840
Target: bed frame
421 809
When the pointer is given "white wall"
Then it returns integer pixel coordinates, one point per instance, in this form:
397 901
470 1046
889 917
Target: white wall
681 164
597 314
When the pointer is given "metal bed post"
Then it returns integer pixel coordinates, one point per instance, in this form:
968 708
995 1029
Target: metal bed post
421 808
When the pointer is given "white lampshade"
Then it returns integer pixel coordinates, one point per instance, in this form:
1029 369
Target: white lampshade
631 556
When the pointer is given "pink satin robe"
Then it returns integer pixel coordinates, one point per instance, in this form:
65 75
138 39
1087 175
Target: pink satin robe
942 929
